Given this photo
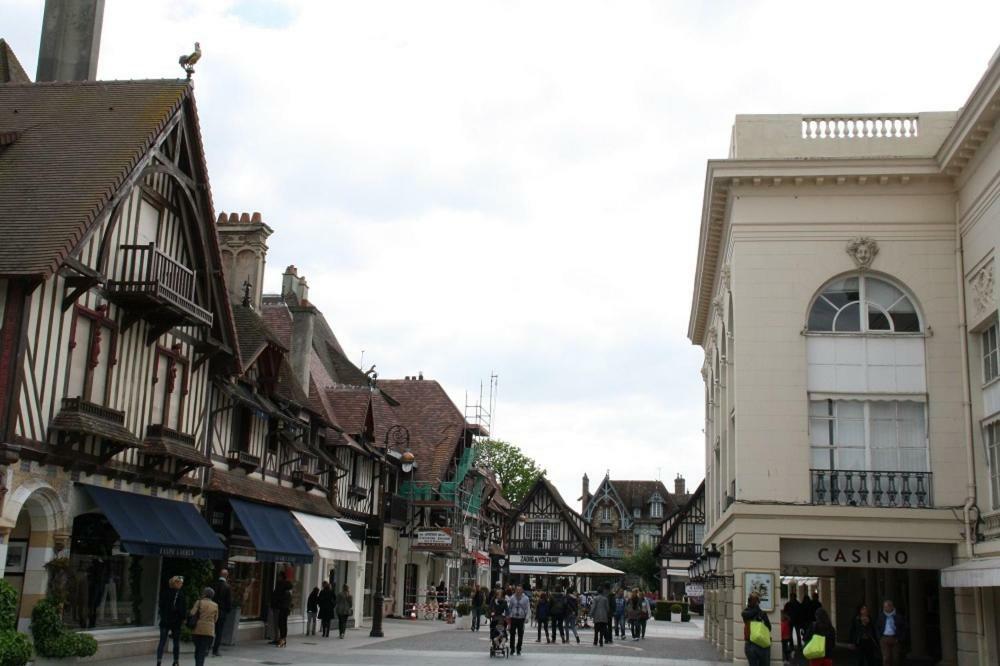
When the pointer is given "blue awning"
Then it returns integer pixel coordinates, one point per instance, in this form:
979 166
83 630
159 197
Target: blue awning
275 534
156 526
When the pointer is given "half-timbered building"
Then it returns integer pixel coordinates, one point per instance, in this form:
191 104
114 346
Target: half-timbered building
683 532
544 534
115 323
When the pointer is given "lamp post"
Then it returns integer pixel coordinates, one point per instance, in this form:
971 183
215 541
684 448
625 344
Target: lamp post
399 436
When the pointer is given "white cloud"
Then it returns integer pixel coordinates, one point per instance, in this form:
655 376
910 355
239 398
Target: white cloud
516 186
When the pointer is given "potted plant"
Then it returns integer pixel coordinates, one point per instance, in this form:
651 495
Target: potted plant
15 647
675 613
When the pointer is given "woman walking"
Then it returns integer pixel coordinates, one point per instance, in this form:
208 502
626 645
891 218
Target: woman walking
172 611
205 612
345 607
327 608
281 600
755 654
542 616
822 627
863 641
633 610
572 609
600 612
312 610
645 614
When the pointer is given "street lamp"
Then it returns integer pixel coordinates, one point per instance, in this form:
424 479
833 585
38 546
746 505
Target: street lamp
712 557
400 436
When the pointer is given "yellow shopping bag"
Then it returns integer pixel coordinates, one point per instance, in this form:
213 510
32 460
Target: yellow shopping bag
815 648
760 635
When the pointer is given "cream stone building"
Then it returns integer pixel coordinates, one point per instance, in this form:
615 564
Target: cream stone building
845 300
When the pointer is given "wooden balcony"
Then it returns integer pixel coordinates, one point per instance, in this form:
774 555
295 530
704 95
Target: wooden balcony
79 418
163 445
680 551
358 492
886 489
245 461
156 288
304 479
533 547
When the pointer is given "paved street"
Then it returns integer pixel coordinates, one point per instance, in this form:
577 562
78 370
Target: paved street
416 643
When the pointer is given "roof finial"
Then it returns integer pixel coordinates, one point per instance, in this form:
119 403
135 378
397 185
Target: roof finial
188 61
247 289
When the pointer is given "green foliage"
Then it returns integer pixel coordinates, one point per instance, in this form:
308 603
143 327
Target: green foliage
676 609
661 611
8 607
61 579
463 609
135 581
52 638
642 563
15 648
515 471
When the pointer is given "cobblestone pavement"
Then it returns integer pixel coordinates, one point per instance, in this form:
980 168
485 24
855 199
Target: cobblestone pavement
418 643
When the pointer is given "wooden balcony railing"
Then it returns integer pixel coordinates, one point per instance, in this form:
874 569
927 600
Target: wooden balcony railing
81 406
535 547
243 460
163 432
305 479
151 279
684 551
873 489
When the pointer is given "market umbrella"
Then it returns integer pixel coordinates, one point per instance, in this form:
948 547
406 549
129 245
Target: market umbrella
587 567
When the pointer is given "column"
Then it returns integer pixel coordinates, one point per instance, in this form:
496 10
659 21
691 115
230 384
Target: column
917 613
949 645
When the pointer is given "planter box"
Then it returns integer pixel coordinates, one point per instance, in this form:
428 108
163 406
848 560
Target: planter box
675 617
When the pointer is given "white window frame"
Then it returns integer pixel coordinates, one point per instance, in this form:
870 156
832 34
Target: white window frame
991 438
990 353
605 512
656 510
834 448
604 539
863 315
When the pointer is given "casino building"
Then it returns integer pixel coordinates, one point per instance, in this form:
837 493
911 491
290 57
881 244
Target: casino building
845 301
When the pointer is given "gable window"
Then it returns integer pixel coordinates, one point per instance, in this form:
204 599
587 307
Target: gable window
882 435
656 509
93 341
992 436
538 531
606 513
990 357
637 512
863 304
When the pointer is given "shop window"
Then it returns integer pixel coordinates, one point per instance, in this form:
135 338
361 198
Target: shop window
170 387
868 436
993 455
863 304
990 356
92 344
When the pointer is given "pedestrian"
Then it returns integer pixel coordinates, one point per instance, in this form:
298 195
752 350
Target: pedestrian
647 612
863 641
541 615
312 611
805 617
557 614
205 613
892 631
585 600
497 610
633 608
600 613
172 612
611 615
517 610
344 608
786 633
822 626
478 600
794 610
442 599
327 602
281 601
757 655
224 600
572 611
620 614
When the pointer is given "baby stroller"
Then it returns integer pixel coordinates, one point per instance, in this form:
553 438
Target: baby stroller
498 639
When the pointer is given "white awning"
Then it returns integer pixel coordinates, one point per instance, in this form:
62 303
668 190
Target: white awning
680 573
588 567
538 569
331 540
982 572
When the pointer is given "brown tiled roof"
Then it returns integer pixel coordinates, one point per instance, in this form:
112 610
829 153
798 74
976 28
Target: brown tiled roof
10 67
88 424
278 318
168 447
253 334
77 144
349 405
437 428
290 389
238 485
636 495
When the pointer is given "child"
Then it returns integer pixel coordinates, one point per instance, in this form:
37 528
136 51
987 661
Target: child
786 636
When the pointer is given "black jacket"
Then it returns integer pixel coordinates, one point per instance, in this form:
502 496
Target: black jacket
327 602
312 603
223 595
862 634
173 610
831 637
902 627
281 598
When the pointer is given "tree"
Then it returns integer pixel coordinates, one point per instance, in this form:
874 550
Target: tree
515 471
642 563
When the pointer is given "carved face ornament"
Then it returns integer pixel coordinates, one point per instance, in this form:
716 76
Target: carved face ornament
862 250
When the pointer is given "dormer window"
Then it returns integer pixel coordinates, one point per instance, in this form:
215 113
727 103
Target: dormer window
656 509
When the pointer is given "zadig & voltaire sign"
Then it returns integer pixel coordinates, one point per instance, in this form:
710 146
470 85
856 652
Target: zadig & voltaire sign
865 554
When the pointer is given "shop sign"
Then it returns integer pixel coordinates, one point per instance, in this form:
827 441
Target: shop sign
695 590
434 539
864 554
542 559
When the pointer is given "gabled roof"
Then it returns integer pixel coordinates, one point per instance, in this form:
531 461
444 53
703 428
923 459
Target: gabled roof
695 497
349 406
253 334
637 495
10 67
572 518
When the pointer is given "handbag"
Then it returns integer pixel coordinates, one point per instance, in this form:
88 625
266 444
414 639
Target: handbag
192 619
815 648
760 635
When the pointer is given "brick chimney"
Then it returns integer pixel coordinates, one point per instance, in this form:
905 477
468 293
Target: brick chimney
585 495
71 40
243 241
679 485
295 293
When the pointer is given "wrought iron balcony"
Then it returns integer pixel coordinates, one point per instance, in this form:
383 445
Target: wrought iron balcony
684 551
157 287
612 553
874 489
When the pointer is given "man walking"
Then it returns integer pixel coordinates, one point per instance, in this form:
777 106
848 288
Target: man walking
620 614
600 611
517 610
893 631
224 600
478 600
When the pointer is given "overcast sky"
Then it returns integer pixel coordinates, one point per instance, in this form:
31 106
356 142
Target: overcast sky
516 186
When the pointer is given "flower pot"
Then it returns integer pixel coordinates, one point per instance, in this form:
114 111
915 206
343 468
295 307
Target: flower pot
675 617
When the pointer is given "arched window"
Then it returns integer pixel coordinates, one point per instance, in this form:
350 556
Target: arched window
862 304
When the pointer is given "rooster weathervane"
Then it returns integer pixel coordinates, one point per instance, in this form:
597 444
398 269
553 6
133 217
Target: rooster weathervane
188 61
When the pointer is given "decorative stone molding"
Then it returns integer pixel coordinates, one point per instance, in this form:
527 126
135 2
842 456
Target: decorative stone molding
862 249
726 277
982 289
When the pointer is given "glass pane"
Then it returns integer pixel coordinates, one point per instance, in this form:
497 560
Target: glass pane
821 316
821 458
882 293
905 322
883 434
993 366
819 407
851 458
877 320
848 319
884 460
841 292
912 430
913 460
819 432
